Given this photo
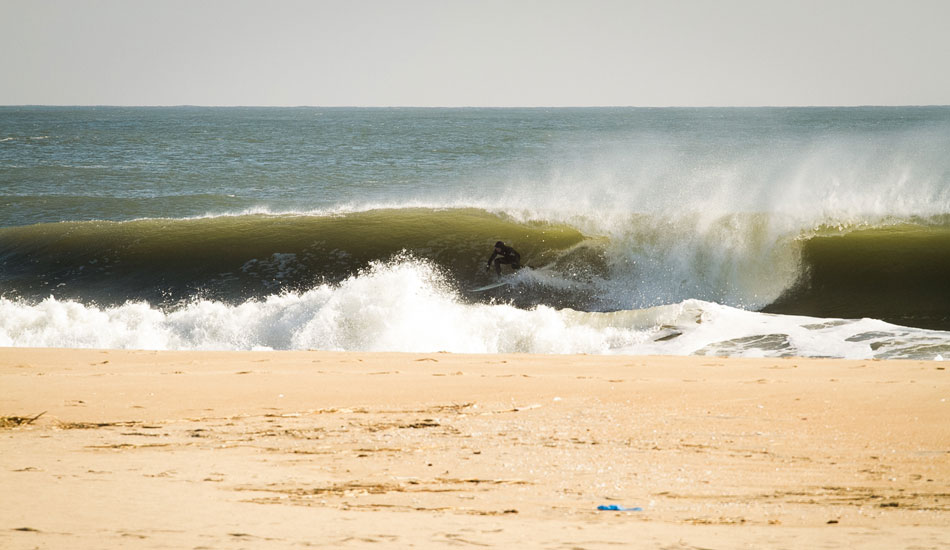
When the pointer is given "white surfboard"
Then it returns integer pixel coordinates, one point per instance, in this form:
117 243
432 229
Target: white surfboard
489 287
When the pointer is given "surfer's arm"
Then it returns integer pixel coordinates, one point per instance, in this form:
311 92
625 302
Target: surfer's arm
491 258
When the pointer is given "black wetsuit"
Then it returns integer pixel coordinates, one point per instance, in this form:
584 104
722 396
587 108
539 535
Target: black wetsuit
504 255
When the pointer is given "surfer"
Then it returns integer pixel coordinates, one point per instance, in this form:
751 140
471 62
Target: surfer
504 254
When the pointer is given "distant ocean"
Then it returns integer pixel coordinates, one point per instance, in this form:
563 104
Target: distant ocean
821 232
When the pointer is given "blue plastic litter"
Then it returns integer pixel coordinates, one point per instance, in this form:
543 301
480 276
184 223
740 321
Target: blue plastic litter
616 508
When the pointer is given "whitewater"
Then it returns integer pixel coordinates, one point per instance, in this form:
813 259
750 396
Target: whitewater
735 232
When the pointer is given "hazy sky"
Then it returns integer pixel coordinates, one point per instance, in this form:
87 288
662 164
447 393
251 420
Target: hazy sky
481 53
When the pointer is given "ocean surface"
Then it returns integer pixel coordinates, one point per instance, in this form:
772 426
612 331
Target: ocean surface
821 232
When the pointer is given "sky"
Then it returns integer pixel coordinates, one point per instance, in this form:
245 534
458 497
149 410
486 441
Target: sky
475 53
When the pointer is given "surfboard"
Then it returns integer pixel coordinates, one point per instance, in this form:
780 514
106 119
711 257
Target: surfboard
497 284
489 287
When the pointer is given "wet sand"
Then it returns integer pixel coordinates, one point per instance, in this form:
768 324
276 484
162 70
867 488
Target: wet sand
137 449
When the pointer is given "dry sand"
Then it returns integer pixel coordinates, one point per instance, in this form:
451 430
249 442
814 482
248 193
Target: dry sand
362 450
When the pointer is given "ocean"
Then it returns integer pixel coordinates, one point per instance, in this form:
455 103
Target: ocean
818 232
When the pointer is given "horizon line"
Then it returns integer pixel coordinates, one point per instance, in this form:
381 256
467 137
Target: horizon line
303 106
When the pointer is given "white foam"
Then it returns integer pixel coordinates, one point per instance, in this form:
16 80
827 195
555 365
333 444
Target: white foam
408 306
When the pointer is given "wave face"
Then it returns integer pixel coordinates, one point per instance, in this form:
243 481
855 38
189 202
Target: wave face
899 273
786 231
235 258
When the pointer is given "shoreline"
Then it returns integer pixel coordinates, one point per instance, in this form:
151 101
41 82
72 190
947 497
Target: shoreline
350 449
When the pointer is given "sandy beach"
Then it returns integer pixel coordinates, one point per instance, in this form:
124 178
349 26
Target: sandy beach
139 449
